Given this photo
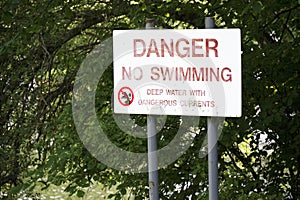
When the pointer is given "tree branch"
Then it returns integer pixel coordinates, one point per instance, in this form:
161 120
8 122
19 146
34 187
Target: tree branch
285 26
280 13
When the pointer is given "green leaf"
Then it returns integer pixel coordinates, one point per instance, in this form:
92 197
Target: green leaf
80 193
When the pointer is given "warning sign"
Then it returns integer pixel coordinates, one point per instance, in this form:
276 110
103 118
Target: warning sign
178 72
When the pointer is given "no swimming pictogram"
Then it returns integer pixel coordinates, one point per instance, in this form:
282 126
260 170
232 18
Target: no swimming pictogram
125 96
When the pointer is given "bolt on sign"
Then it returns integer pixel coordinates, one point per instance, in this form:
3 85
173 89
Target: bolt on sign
177 72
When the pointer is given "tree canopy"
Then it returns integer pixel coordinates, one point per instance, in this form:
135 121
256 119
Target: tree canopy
43 44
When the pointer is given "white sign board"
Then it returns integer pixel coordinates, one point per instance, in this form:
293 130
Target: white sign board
177 72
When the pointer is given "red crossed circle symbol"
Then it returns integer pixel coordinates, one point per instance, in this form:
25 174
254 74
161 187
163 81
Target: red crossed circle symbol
125 96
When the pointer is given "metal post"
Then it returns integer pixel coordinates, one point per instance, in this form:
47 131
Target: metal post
212 134
152 146
212 127
152 158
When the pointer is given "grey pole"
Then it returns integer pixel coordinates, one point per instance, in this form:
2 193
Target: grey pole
212 134
212 127
152 145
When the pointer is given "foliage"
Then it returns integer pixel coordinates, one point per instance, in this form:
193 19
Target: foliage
42 46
